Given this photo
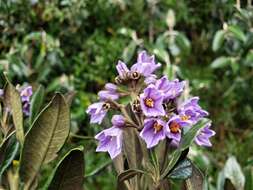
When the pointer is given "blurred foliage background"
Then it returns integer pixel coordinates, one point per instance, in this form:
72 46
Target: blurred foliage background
75 44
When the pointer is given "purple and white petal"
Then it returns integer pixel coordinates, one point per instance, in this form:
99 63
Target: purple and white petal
110 140
153 131
122 69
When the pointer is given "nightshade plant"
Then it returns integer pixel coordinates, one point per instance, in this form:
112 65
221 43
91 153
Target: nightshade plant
152 127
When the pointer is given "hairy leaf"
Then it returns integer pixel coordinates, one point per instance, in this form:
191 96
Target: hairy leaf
69 172
188 138
196 181
14 103
233 172
185 143
45 138
183 170
7 153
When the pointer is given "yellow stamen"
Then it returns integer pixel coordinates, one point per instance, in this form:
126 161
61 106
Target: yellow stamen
174 127
157 127
185 117
149 102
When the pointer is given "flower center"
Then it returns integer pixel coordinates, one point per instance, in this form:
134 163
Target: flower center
157 127
149 102
185 117
174 127
106 106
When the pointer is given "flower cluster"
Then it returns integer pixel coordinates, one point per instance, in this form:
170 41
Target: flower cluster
155 102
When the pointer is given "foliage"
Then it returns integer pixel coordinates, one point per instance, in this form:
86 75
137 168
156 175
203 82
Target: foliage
69 45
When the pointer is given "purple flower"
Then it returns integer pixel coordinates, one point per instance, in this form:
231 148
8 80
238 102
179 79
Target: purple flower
151 102
110 92
122 69
145 64
203 136
153 131
170 89
191 111
118 121
25 94
150 79
97 111
110 140
26 108
175 124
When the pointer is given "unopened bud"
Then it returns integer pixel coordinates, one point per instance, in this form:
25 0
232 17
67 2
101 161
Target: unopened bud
170 19
135 75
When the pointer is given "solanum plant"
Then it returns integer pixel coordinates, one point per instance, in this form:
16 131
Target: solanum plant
152 127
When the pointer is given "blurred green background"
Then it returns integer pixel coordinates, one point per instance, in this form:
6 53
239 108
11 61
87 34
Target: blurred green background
75 44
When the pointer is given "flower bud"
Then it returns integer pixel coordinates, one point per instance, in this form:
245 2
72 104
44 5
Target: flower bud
170 19
118 120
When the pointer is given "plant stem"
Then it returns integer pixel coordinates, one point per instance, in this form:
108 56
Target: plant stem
81 137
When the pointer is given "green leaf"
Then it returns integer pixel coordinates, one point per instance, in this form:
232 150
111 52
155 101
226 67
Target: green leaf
188 138
184 144
183 43
218 40
13 99
132 148
69 172
237 32
45 138
37 102
220 62
249 178
7 153
233 172
249 59
183 170
196 181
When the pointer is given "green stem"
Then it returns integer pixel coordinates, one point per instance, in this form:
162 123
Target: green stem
81 137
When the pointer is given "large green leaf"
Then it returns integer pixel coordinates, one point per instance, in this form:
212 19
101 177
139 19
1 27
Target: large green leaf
233 172
237 32
220 62
45 138
189 136
7 153
185 143
218 40
183 170
196 181
69 172
13 101
37 102
132 148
